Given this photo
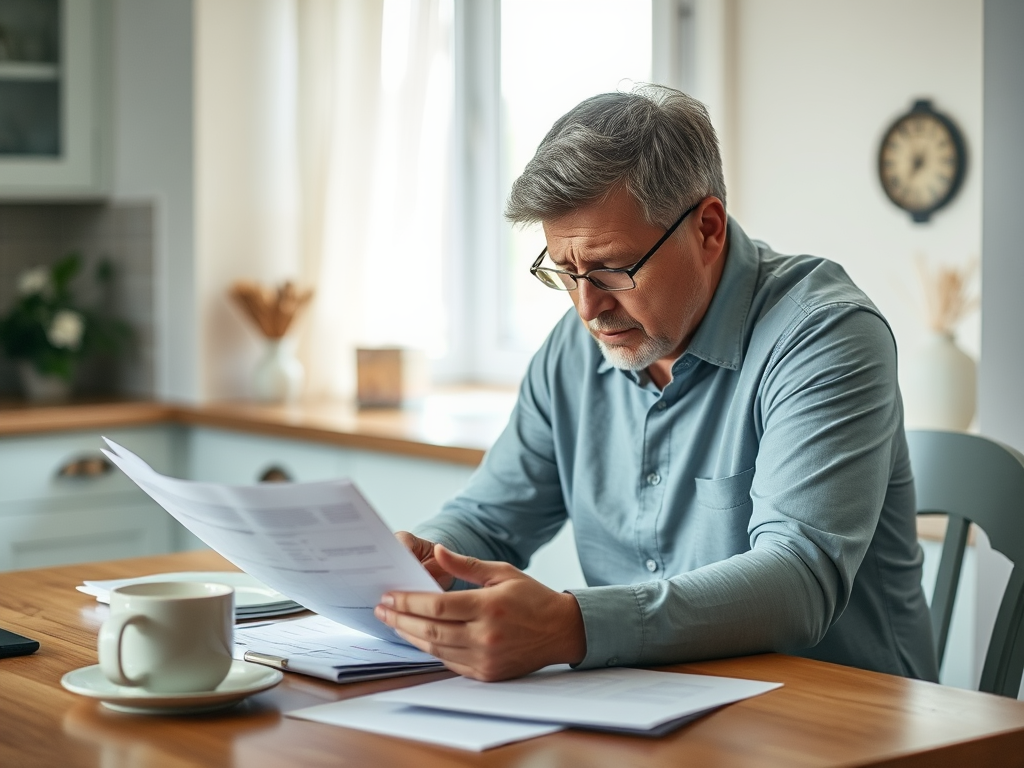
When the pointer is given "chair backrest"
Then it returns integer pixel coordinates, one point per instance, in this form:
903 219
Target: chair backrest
976 480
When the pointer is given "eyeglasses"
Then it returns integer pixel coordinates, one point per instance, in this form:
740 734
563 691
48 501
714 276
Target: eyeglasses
604 278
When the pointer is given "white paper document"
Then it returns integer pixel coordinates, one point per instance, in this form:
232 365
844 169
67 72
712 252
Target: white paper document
620 699
451 729
323 648
321 544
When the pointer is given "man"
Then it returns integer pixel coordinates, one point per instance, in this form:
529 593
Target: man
724 429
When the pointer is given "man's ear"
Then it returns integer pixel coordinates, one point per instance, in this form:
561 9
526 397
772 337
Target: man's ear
712 224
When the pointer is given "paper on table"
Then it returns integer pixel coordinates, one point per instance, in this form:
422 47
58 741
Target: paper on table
321 544
322 648
621 699
370 713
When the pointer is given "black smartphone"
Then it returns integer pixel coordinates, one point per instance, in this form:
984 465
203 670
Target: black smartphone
16 645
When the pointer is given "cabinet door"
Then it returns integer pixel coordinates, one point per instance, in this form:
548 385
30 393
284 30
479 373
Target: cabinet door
54 87
238 458
30 466
47 518
108 528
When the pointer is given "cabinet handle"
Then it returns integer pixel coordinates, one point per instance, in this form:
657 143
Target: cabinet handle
275 474
91 465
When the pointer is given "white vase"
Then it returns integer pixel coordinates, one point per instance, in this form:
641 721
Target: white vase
941 385
279 375
40 388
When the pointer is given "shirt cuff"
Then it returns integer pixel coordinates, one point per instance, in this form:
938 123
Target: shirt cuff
614 623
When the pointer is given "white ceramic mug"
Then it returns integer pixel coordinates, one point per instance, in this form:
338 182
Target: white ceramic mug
168 637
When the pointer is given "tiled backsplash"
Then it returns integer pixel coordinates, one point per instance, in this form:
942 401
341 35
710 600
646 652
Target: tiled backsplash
34 235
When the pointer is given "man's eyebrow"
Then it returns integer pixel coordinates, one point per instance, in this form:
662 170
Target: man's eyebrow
629 258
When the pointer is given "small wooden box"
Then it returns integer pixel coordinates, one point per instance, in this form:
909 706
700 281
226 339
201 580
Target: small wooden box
388 377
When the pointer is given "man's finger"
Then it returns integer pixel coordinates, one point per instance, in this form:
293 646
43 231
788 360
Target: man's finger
479 572
451 606
436 634
458 660
421 548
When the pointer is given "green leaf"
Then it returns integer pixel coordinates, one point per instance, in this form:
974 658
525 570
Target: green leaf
62 273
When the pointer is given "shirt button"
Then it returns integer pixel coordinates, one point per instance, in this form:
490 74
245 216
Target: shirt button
651 566
653 479
662 405
611 662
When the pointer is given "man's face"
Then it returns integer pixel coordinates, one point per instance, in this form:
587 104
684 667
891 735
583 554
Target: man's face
654 322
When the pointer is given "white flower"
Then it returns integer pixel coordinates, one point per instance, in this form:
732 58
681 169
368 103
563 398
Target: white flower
34 281
65 332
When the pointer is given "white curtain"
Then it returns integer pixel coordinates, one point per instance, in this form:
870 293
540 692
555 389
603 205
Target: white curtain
322 156
374 105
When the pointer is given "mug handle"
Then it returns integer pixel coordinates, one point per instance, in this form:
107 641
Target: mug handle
111 634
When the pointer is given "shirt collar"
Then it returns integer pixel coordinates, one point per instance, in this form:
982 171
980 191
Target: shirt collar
719 337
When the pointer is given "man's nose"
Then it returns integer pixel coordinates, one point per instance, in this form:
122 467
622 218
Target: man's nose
591 301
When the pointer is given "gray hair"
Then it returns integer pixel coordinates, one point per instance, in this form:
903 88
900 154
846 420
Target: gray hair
655 141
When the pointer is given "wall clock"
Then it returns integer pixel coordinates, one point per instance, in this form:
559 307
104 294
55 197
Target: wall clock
921 161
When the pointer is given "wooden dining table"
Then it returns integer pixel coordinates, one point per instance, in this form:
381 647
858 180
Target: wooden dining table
824 715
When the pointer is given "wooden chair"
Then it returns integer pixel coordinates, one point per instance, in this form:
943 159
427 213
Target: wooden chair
975 480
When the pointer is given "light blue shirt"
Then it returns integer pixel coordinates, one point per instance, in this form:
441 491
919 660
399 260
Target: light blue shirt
762 502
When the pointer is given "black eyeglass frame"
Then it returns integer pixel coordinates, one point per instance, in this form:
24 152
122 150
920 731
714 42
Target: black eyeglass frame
630 271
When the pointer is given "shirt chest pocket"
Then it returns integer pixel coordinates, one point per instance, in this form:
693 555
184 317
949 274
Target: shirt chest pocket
722 515
725 492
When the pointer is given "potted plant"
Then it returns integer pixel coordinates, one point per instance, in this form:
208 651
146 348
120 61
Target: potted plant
47 333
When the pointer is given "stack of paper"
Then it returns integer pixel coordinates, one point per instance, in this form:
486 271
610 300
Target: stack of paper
253 600
323 648
451 712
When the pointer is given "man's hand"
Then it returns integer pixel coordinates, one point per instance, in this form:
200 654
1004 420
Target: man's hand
512 626
423 550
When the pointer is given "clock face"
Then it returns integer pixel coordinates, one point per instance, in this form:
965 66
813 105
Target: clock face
921 161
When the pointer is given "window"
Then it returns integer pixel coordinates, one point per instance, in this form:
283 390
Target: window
554 54
457 285
522 64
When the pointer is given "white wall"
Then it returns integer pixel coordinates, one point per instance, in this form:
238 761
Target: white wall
153 161
816 84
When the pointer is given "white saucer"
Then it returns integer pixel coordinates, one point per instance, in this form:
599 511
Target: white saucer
244 679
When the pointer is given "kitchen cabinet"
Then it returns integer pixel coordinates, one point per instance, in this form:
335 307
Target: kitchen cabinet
55 87
47 518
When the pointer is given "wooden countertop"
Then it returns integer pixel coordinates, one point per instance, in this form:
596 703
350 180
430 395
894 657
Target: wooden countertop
456 426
